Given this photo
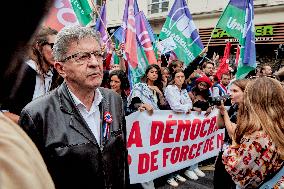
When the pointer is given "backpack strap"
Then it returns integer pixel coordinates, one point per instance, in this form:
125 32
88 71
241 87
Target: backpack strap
270 183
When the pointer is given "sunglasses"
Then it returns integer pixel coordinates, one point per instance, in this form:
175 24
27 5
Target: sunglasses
47 43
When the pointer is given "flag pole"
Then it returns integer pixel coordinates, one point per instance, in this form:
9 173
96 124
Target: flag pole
95 8
110 37
209 60
216 25
210 37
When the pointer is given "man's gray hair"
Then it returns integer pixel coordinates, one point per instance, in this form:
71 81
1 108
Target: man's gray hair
68 35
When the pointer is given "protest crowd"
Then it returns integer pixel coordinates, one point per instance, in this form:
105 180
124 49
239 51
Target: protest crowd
75 103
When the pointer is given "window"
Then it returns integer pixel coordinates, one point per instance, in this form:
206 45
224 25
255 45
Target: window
98 2
157 6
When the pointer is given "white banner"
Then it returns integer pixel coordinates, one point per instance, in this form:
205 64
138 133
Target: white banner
166 142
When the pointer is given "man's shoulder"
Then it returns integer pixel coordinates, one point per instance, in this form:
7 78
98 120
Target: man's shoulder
43 101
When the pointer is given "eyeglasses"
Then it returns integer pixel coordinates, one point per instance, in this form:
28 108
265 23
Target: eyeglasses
82 57
47 43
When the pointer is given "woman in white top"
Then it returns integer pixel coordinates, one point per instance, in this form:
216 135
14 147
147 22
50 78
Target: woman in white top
35 76
177 95
179 101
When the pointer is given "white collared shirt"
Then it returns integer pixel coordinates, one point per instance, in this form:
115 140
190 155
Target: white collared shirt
91 117
41 86
178 100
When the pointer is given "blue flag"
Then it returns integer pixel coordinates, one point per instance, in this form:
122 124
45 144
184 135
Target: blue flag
118 34
247 60
101 24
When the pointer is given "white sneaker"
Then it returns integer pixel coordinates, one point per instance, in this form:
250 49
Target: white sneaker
180 178
191 175
172 182
198 172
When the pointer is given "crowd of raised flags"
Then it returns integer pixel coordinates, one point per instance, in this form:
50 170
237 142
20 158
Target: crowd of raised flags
141 44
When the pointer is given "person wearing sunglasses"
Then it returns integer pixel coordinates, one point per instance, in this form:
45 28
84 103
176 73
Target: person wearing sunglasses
79 127
33 74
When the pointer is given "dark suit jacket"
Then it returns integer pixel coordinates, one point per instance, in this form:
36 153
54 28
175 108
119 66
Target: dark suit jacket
70 150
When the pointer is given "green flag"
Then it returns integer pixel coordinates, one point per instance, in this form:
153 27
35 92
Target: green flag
232 21
115 57
82 10
179 25
138 72
155 48
238 21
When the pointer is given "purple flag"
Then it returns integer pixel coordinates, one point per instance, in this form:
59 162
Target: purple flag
249 56
148 27
239 4
125 17
101 24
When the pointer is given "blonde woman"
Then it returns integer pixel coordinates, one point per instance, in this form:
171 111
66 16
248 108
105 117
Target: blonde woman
257 149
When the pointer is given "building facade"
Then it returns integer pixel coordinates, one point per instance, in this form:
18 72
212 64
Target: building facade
269 23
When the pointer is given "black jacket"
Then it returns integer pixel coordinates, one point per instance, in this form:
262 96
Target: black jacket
70 150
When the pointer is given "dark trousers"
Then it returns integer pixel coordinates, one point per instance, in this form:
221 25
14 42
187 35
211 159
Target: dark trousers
222 179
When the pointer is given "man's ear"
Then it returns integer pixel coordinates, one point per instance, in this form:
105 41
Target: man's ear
60 68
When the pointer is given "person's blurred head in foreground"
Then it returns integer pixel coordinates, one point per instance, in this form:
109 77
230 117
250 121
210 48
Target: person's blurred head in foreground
17 34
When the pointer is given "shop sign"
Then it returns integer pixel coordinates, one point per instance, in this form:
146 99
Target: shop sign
260 32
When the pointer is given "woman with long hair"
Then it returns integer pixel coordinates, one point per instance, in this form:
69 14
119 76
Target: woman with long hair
165 76
41 54
119 83
148 96
228 119
257 149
